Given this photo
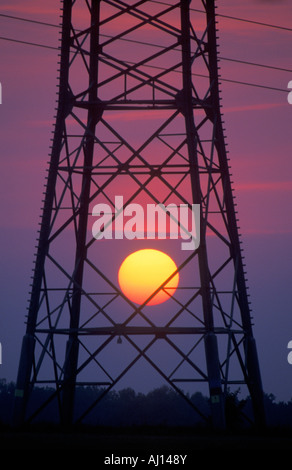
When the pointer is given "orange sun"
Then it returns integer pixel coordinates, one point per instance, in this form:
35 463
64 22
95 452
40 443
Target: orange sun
143 272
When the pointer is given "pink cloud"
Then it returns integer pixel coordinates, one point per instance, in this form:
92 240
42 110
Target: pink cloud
31 8
265 186
254 107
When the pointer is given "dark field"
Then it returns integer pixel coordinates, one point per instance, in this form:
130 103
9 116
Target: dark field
135 443
161 409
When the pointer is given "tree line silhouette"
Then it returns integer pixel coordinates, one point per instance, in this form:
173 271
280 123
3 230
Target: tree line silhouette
161 407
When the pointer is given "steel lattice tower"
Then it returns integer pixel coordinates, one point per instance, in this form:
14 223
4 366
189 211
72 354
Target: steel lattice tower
138 116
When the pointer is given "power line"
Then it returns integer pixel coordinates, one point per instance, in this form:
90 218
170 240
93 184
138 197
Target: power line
255 64
234 18
259 23
245 62
28 43
20 18
42 23
237 82
161 68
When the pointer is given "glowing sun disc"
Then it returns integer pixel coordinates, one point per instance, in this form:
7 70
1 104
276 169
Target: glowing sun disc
143 272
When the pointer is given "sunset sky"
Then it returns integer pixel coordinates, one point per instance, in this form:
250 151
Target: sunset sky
257 119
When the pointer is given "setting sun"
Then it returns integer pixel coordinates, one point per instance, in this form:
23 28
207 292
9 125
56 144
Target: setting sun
143 272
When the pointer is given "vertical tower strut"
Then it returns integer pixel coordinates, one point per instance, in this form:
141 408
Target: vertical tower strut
71 361
212 359
138 125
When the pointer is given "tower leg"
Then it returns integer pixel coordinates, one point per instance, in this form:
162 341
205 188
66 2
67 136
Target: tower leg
251 358
23 379
215 389
27 360
94 114
211 349
255 383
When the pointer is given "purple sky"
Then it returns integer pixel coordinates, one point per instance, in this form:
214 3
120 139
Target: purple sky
258 130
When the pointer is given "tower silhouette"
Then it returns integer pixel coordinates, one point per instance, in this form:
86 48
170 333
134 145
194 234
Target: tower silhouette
138 117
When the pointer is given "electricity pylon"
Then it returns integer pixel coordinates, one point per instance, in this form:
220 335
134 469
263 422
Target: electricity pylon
138 116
